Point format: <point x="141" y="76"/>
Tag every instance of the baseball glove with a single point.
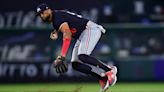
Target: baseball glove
<point x="60" y="65"/>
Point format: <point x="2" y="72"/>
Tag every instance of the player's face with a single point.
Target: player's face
<point x="46" y="15"/>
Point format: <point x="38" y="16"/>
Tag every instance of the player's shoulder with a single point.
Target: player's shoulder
<point x="60" y="11"/>
<point x="65" y="12"/>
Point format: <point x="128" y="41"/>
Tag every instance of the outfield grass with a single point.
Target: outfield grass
<point x="81" y="87"/>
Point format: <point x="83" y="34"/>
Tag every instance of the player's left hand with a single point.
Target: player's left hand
<point x="54" y="35"/>
<point x="60" y="65"/>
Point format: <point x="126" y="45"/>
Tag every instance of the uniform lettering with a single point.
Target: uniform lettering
<point x="73" y="31"/>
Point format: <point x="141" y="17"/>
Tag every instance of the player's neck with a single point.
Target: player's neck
<point x="50" y="19"/>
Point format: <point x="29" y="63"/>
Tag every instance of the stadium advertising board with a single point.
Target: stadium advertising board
<point x="24" y="46"/>
<point x="37" y="72"/>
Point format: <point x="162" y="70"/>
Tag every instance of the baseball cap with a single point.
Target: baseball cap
<point x="41" y="7"/>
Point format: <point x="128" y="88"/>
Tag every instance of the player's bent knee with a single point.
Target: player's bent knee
<point x="83" y="57"/>
<point x="75" y="65"/>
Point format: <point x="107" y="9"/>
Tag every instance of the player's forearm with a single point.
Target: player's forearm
<point x="66" y="43"/>
<point x="67" y="36"/>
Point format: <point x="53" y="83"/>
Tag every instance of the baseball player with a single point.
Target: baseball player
<point x="87" y="34"/>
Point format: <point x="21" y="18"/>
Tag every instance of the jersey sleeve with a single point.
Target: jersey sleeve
<point x="58" y="20"/>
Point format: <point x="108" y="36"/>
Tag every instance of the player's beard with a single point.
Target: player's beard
<point x="47" y="19"/>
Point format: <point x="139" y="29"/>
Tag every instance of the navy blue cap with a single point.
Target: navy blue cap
<point x="42" y="7"/>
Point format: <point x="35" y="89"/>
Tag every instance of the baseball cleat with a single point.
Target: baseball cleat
<point x="110" y="80"/>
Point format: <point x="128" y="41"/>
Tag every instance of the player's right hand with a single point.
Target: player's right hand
<point x="54" y="35"/>
<point x="60" y="65"/>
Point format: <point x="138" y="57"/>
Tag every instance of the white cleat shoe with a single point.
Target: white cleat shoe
<point x="112" y="75"/>
<point x="103" y="82"/>
<point x="112" y="78"/>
